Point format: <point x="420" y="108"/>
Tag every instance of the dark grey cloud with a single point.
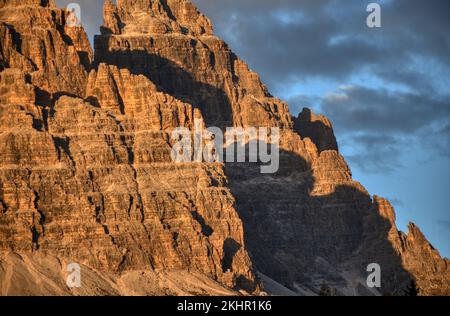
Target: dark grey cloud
<point x="378" y="127"/>
<point x="288" y="40"/>
<point x="357" y="108"/>
<point x="374" y="153"/>
<point x="294" y="39"/>
<point x="413" y="122"/>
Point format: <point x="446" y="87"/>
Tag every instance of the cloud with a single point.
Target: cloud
<point x="374" y="127"/>
<point x="359" y="108"/>
<point x="293" y="40"/>
<point x="373" y="153"/>
<point x="378" y="128"/>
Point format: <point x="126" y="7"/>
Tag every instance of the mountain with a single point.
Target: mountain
<point x="87" y="174"/>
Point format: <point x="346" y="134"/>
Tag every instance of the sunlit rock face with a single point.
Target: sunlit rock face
<point x="86" y="173"/>
<point x="86" y="168"/>
<point x="35" y="38"/>
<point x="173" y="45"/>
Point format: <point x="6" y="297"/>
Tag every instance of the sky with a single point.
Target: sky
<point x="386" y="90"/>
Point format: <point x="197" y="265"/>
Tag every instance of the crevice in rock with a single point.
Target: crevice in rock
<point x="62" y="146"/>
<point x="4" y="206"/>
<point x="130" y="206"/>
<point x="2" y="201"/>
<point x="99" y="209"/>
<point x="168" y="10"/>
<point x="37" y="228"/>
<point x="85" y="60"/>
<point x="121" y="266"/>
<point x="34" y="237"/>
<point x="57" y="95"/>
<point x="206" y="229"/>
<point x="230" y="249"/>
<point x="42" y="215"/>
<point x="43" y="98"/>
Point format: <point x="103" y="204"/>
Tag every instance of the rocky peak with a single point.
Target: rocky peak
<point x="318" y="128"/>
<point x="431" y="271"/>
<point x="37" y="39"/>
<point x="154" y="17"/>
<point x="111" y="20"/>
<point x="417" y="238"/>
<point x="168" y="42"/>
<point x="36" y="3"/>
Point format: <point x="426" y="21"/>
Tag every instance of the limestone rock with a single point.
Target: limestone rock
<point x="111" y="20"/>
<point x="94" y="181"/>
<point x="402" y="257"/>
<point x="431" y="272"/>
<point x="318" y="128"/>
<point x="172" y="44"/>
<point x="38" y="41"/>
<point x="161" y="16"/>
<point x="86" y="173"/>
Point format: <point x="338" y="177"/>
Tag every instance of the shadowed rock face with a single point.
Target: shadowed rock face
<point x="86" y="172"/>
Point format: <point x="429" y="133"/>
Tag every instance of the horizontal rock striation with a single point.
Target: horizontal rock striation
<point x="91" y="180"/>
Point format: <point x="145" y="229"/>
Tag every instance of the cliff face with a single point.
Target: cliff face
<point x="87" y="176"/>
<point x="172" y="44"/>
<point x="95" y="184"/>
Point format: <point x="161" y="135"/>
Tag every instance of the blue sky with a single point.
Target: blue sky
<point x="386" y="90"/>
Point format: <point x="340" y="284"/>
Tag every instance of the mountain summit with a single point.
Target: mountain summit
<point x="154" y="17"/>
<point x="86" y="174"/>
